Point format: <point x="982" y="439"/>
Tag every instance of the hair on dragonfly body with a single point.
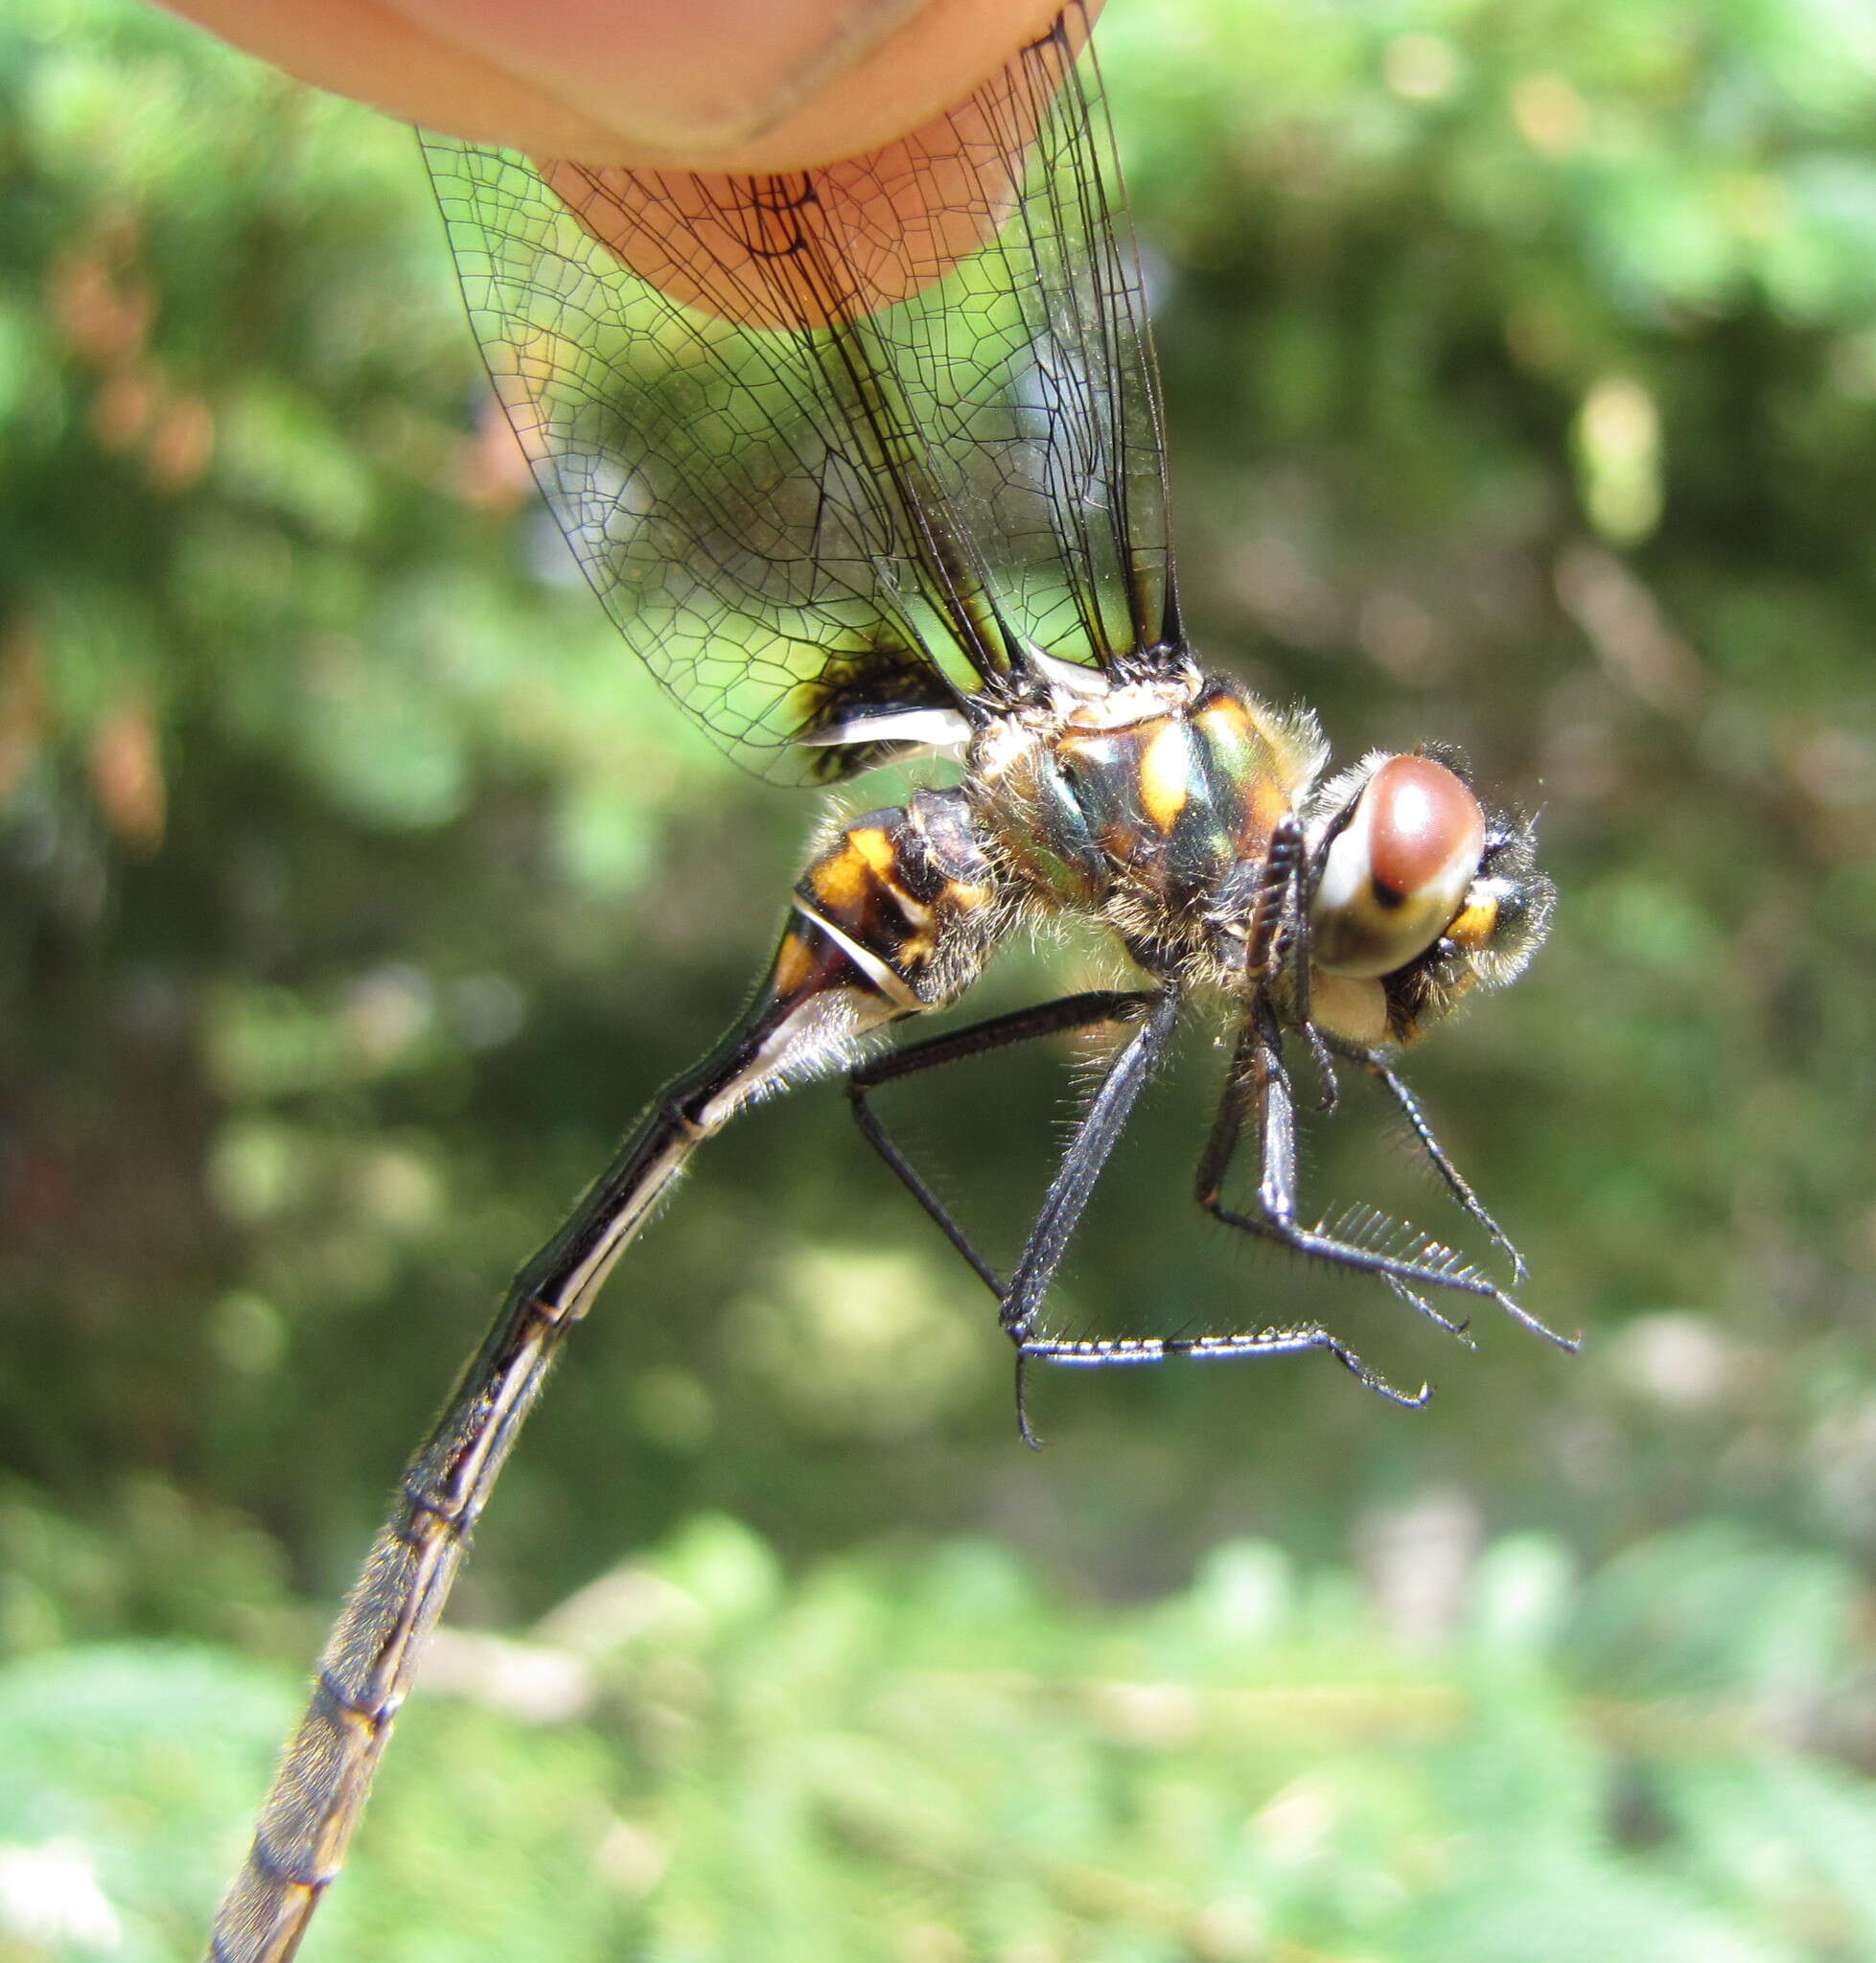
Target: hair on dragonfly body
<point x="867" y="460"/>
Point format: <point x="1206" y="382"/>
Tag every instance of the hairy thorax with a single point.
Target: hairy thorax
<point x="1142" y="804"/>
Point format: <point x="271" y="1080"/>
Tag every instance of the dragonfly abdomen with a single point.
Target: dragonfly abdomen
<point x="907" y="897"/>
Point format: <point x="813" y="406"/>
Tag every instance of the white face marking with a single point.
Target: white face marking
<point x="1356" y="1011"/>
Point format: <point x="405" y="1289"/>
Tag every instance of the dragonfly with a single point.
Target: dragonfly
<point x="858" y="491"/>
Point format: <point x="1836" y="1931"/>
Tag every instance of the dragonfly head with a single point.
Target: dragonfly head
<point x="1418" y="893"/>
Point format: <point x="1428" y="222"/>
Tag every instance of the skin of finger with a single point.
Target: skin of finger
<point x="701" y="75"/>
<point x="889" y="223"/>
<point x="504" y="91"/>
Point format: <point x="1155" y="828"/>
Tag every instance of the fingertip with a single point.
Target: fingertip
<point x="738" y="85"/>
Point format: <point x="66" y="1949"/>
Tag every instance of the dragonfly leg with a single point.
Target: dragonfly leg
<point x="1068" y="1192"/>
<point x="1435" y="1154"/>
<point x="1097" y="1353"/>
<point x="979" y="1039"/>
<point x="1260" y="1081"/>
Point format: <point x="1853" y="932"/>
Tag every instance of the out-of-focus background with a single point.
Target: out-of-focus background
<point x="358" y="888"/>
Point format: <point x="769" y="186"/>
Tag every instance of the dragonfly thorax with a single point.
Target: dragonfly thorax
<point x="1142" y="803"/>
<point x="865" y="460"/>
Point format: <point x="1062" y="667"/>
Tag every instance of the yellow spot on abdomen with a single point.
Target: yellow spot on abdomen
<point x="843" y="880"/>
<point x="794" y="964"/>
<point x="874" y="847"/>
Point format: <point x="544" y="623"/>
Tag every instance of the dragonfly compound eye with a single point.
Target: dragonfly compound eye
<point x="1396" y="873"/>
<point x="864" y="459"/>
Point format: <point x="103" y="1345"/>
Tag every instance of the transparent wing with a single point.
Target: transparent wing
<point x="850" y="439"/>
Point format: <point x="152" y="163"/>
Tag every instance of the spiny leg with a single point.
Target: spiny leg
<point x="1454" y="1181"/>
<point x="1277" y="938"/>
<point x="978" y="1039"/>
<point x="1291" y="1342"/>
<point x="1293" y="955"/>
<point x="1298" y="963"/>
<point x="1258" y="1066"/>
<point x="1266" y="948"/>
<point x="1019" y="1299"/>
<point x="1258" y="1062"/>
<point x="1066" y="1198"/>
<point x="1094" y="1139"/>
<point x="1274" y="905"/>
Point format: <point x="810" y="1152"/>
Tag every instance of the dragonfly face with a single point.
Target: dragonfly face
<point x="865" y="461"/>
<point x="1420" y="895"/>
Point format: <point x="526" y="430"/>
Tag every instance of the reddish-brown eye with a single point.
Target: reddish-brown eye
<point x="1398" y="872"/>
<point x="1426" y="826"/>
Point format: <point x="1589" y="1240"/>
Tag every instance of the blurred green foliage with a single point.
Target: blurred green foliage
<point x="927" y="1758"/>
<point x="355" y="887"/>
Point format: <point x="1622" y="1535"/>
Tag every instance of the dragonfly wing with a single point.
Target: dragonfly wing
<point x="846" y="441"/>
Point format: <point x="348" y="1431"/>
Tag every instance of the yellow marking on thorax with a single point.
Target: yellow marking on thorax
<point x="1166" y="774"/>
<point x="1264" y="809"/>
<point x="842" y="882"/>
<point x="1099" y="750"/>
<point x="1226" y="724"/>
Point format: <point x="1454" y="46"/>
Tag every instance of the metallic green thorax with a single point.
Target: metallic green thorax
<point x="1155" y="800"/>
<point x="1140" y="804"/>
